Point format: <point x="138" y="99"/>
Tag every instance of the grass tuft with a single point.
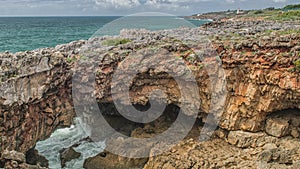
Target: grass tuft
<point x="287" y="16"/>
<point x="115" y="42"/>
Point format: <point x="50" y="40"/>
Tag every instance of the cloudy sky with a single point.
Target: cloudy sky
<point x="125" y="7"/>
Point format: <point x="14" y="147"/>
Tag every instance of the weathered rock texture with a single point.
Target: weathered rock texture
<point x="271" y="153"/>
<point x="261" y="81"/>
<point x="35" y="97"/>
<point x="260" y="73"/>
<point x="35" y="92"/>
<point x="13" y="160"/>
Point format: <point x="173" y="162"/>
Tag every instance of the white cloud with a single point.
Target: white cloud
<point x="146" y="4"/>
<point x="279" y="1"/>
<point x="171" y="4"/>
<point x="118" y="3"/>
<point x="124" y="7"/>
<point x="230" y="1"/>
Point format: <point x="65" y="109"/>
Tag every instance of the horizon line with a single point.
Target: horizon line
<point x="3" y="16"/>
<point x="58" y="15"/>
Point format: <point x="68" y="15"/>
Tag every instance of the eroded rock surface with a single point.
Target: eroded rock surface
<point x="216" y="153"/>
<point x="107" y="160"/>
<point x="14" y="160"/>
<point x="260" y="72"/>
<point x="35" y="100"/>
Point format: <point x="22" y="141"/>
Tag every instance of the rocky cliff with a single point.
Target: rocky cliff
<point x="260" y="70"/>
<point x="35" y="97"/>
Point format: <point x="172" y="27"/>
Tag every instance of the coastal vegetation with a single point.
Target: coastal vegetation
<point x="287" y="13"/>
<point x="286" y="16"/>
<point x="276" y="15"/>
<point x="297" y="64"/>
<point x="292" y="7"/>
<point x="115" y="42"/>
<point x="282" y="32"/>
<point x="71" y="60"/>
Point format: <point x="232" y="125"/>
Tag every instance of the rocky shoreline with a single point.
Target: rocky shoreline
<point x="259" y="123"/>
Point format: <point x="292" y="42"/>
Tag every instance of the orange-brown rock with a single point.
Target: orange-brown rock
<point x="35" y="92"/>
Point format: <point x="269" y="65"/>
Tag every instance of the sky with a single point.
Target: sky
<point x="127" y="7"/>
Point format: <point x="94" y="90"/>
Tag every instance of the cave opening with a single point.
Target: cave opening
<point x="158" y="126"/>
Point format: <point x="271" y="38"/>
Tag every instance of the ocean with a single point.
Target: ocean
<point x="29" y="33"/>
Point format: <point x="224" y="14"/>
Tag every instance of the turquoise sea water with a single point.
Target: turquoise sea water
<point x="28" y="33"/>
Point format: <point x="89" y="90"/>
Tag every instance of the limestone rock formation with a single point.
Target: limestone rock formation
<point x="259" y="70"/>
<point x="35" y="96"/>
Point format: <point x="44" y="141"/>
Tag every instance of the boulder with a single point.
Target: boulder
<point x="269" y="146"/>
<point x="285" y="157"/>
<point x="34" y="158"/>
<point x="277" y="155"/>
<point x="277" y="127"/>
<point x="67" y="155"/>
<point x="14" y="156"/>
<point x="244" y="139"/>
<point x="265" y="156"/>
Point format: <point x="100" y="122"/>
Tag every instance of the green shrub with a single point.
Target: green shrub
<point x="270" y="9"/>
<point x="258" y="12"/>
<point x="286" y="16"/>
<point x="269" y="31"/>
<point x="289" y="7"/>
<point x="297" y="64"/>
<point x="71" y="59"/>
<point x="115" y="42"/>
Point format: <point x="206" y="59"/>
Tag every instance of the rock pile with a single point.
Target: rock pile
<point x="17" y="160"/>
